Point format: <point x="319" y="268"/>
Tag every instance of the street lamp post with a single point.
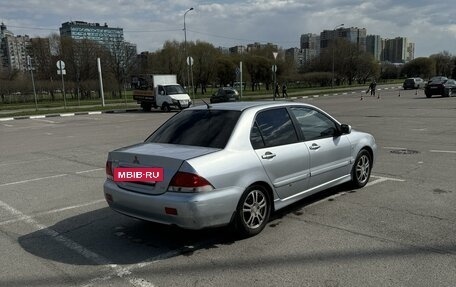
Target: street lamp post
<point x="333" y="44"/>
<point x="185" y="45"/>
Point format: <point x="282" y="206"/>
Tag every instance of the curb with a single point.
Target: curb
<point x="68" y="114"/>
<point x="139" y="109"/>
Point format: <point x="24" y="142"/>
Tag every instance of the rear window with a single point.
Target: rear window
<point x="206" y="128"/>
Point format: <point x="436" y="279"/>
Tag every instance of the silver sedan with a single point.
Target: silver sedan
<point x="235" y="163"/>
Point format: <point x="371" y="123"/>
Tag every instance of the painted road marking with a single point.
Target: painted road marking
<point x="79" y="249"/>
<point x="48" y="177"/>
<point x="443" y="151"/>
<point x="18" y="219"/>
<point x="33" y="179"/>
<point x="379" y="179"/>
<point x="117" y="271"/>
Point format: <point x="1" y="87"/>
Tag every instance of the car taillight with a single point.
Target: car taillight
<point x="189" y="182"/>
<point x="109" y="173"/>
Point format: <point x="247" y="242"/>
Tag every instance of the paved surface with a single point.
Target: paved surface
<point x="56" y="229"/>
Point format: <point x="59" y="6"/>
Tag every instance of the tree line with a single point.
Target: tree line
<point x="342" y="63"/>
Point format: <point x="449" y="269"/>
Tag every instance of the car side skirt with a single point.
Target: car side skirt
<point x="281" y="203"/>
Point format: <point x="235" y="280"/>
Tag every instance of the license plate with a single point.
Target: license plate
<point x="433" y="87"/>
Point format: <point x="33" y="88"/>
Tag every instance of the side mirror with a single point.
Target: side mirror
<point x="345" y="129"/>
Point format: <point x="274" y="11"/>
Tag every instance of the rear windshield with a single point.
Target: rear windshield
<point x="206" y="128"/>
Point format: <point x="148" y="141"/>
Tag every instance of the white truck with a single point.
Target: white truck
<point x="159" y="91"/>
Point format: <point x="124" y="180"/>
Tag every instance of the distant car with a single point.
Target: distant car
<point x="225" y="94"/>
<point x="440" y="86"/>
<point x="413" y="83"/>
<point x="236" y="163"/>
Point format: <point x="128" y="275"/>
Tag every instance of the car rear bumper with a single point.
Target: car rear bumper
<point x="193" y="210"/>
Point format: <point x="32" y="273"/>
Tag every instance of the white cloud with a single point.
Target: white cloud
<point x="431" y="25"/>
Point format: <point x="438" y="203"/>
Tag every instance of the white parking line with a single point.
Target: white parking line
<point x="79" y="249"/>
<point x="34" y="179"/>
<point x="443" y="151"/>
<point x="6" y="222"/>
<point x="24" y="161"/>
<point x="379" y="179"/>
<point x="90" y="170"/>
<point x="49" y="177"/>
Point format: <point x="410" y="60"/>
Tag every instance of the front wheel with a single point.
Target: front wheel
<point x="252" y="213"/>
<point x="361" y="169"/>
<point x="166" y="107"/>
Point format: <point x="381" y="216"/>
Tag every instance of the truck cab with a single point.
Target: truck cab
<point x="161" y="91"/>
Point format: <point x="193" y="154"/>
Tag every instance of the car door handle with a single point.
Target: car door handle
<point x="268" y="155"/>
<point x="314" y="146"/>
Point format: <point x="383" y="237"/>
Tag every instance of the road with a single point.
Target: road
<point x="56" y="229"/>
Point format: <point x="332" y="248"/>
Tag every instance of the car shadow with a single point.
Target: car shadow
<point x="105" y="236"/>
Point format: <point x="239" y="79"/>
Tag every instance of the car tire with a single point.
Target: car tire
<point x="146" y="107"/>
<point x="166" y="107"/>
<point x="361" y="169"/>
<point x="428" y="95"/>
<point x="253" y="211"/>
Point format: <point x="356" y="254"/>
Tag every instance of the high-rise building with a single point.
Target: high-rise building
<point x="13" y="50"/>
<point x="110" y="38"/>
<point x="398" y="50"/>
<point x="102" y="34"/>
<point x="353" y="35"/>
<point x="310" y="47"/>
<point x="310" y="41"/>
<point x="374" y="46"/>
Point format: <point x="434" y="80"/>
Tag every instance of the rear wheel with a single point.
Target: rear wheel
<point x="253" y="210"/>
<point x="361" y="169"/>
<point x="146" y="107"/>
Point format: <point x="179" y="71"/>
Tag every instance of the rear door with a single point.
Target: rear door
<point x="330" y="152"/>
<point x="284" y="158"/>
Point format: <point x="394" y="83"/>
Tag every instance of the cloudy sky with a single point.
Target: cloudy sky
<point x="431" y="25"/>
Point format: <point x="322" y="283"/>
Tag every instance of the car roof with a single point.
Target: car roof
<point x="243" y="105"/>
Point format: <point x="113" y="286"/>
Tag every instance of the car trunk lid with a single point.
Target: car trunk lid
<point x="167" y="156"/>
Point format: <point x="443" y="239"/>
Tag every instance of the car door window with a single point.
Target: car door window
<point x="274" y="127"/>
<point x="314" y="124"/>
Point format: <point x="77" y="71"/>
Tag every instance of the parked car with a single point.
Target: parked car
<point x="225" y="94"/>
<point x="440" y="86"/>
<point x="413" y="83"/>
<point x="235" y="163"/>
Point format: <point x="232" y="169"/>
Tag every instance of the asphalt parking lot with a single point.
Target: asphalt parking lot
<point x="56" y="229"/>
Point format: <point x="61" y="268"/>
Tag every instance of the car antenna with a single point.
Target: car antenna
<point x="207" y="105"/>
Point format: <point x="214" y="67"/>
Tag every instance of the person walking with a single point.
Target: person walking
<point x="276" y="91"/>
<point x="284" y="90"/>
<point x="372" y="88"/>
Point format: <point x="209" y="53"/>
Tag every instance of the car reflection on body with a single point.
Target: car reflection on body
<point x="235" y="163"/>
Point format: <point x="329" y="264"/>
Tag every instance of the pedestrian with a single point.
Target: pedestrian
<point x="372" y="88"/>
<point x="284" y="90"/>
<point x="276" y="91"/>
